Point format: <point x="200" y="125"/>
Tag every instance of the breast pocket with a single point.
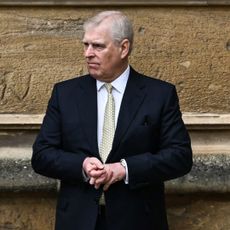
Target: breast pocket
<point x="145" y="132"/>
<point x="142" y="138"/>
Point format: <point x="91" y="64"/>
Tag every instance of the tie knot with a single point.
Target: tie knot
<point x="108" y="87"/>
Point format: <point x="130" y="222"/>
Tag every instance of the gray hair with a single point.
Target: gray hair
<point x="121" y="27"/>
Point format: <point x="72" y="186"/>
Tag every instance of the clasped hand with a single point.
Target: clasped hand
<point x="103" y="174"/>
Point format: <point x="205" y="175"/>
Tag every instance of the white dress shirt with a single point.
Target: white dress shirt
<point x="119" y="85"/>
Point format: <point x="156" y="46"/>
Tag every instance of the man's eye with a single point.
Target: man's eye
<point x="98" y="46"/>
<point x="86" y="44"/>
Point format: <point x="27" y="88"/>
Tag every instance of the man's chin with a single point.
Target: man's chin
<point x="94" y="75"/>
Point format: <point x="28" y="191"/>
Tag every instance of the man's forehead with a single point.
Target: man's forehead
<point x="96" y="36"/>
<point x="90" y="39"/>
<point x="99" y="29"/>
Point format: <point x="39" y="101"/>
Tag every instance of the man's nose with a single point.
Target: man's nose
<point x="89" y="51"/>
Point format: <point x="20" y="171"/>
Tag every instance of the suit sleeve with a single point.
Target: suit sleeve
<point x="49" y="159"/>
<point x="174" y="156"/>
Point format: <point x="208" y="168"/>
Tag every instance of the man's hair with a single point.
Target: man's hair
<point x="120" y="26"/>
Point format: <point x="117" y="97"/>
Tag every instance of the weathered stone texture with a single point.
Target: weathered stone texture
<point x="17" y="175"/>
<point x="199" y="212"/>
<point x="28" y="206"/>
<point x="188" y="46"/>
<point x="210" y="174"/>
<point x="31" y="211"/>
<point x="27" y="211"/>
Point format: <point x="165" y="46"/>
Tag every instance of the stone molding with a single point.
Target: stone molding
<point x="20" y="121"/>
<point x="210" y="135"/>
<point x="210" y="173"/>
<point x="192" y="121"/>
<point x="18" y="175"/>
<point x="207" y="120"/>
<point x="114" y="3"/>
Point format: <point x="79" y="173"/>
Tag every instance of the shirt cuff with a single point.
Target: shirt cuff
<point x="124" y="164"/>
<point x="85" y="177"/>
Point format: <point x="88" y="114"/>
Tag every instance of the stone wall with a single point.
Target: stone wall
<point x="27" y="211"/>
<point x="35" y="211"/>
<point x="188" y="46"/>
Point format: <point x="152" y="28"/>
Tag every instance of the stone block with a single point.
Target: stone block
<point x="188" y="46"/>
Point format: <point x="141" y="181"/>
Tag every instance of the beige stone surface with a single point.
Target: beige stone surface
<point x="188" y="46"/>
<point x="27" y="211"/>
<point x="34" y="211"/>
<point x="199" y="212"/>
<point x="210" y="133"/>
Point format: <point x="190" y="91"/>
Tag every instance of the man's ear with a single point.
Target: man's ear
<point x="125" y="46"/>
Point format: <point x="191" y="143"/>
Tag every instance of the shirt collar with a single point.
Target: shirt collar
<point x="119" y="83"/>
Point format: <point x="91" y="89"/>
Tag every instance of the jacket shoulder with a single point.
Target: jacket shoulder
<point x="157" y="82"/>
<point x="151" y="81"/>
<point x="72" y="82"/>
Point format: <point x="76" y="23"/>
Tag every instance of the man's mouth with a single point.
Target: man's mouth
<point x="92" y="64"/>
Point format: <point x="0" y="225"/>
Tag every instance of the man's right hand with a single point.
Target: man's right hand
<point x="102" y="174"/>
<point x="94" y="169"/>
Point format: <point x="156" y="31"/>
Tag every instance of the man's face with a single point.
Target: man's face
<point x="103" y="56"/>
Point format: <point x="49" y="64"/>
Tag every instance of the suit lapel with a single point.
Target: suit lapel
<point x="87" y="103"/>
<point x="131" y="102"/>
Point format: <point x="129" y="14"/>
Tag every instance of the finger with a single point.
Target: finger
<point x="97" y="173"/>
<point x="91" y="167"/>
<point x="96" y="161"/>
<point x="92" y="163"/>
<point x="92" y="181"/>
<point x="109" y="181"/>
<point x="98" y="164"/>
<point x="88" y="164"/>
<point x="99" y="181"/>
<point x="88" y="170"/>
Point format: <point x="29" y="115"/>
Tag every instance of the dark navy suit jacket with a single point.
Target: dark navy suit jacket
<point x="150" y="136"/>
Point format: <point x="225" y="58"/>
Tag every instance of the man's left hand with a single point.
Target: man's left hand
<point x="113" y="173"/>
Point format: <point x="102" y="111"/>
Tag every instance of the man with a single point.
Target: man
<point x="112" y="137"/>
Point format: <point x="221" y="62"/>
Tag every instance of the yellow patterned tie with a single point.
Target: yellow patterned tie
<point x="109" y="125"/>
<point x="108" y="130"/>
